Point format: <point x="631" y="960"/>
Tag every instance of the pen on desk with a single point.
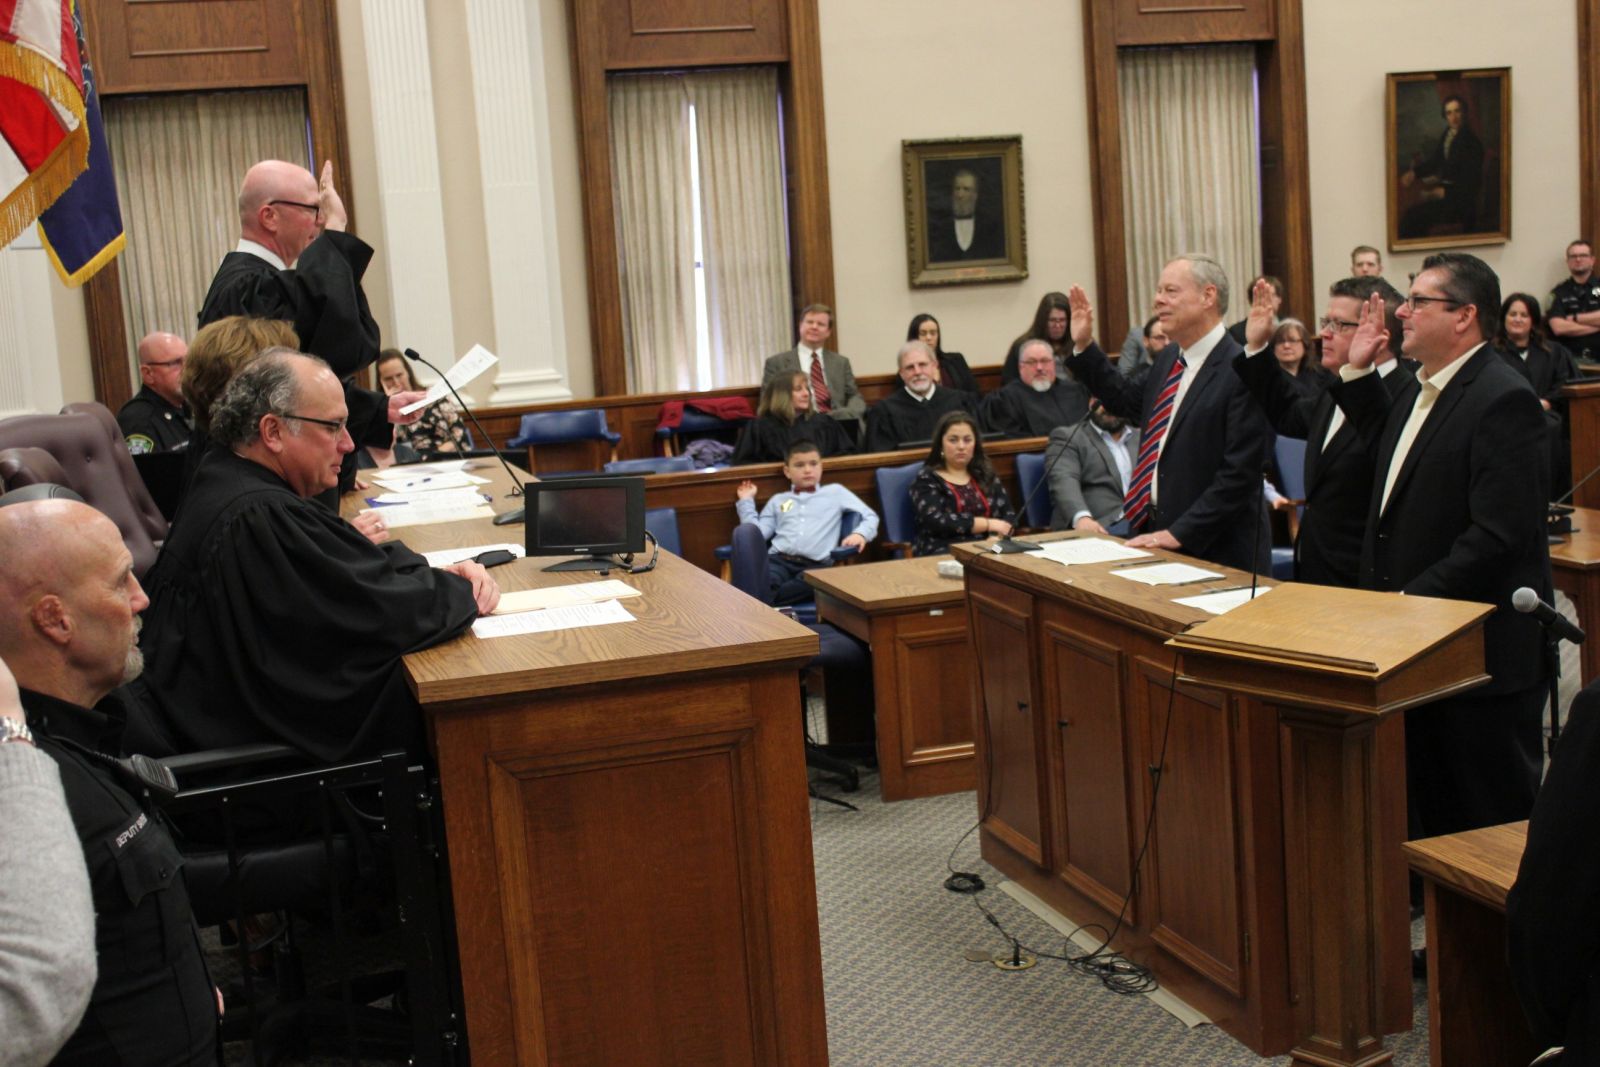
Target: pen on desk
<point x="1195" y="581"/>
<point x="1229" y="589"/>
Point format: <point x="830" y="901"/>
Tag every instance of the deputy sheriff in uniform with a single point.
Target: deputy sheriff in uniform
<point x="1574" y="315"/>
<point x="156" y="419"/>
<point x="69" y="606"/>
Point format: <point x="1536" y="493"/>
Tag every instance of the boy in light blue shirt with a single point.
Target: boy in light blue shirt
<point x="802" y="525"/>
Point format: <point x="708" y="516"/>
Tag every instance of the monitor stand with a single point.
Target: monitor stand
<point x="584" y="563"/>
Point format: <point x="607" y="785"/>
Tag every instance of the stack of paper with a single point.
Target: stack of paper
<point x="1167" y="574"/>
<point x="406" y="482"/>
<point x="424" y="513"/>
<point x="568" y="618"/>
<point x="564" y="596"/>
<point x="1223" y="600"/>
<point x="1089" y="550"/>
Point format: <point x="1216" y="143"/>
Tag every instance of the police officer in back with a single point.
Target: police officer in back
<point x="156" y="419"/>
<point x="1574" y="315"/>
<point x="69" y="606"/>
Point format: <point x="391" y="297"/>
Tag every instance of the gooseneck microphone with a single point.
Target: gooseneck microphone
<point x="1581" y="483"/>
<point x="506" y="517"/>
<point x="1011" y="544"/>
<point x="1527" y="601"/>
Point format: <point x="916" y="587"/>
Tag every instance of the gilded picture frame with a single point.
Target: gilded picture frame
<point x="964" y="211"/>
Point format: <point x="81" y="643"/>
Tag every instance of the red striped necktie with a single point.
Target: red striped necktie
<point x="820" y="400"/>
<point x="1136" y="505"/>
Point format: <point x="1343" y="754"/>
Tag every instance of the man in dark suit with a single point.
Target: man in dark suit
<point x="1451" y="178"/>
<point x="960" y="230"/>
<point x="833" y="385"/>
<point x="1338" y="465"/>
<point x="911" y="413"/>
<point x="1460" y="485"/>
<point x="1197" y="480"/>
<point x="1090" y="464"/>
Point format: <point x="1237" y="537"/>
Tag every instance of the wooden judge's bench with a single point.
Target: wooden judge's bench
<point x="1272" y="893"/>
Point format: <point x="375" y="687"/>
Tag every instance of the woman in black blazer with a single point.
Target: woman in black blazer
<point x="953" y="370"/>
<point x="1291" y="347"/>
<point x="1548" y="365"/>
<point x="784" y="414"/>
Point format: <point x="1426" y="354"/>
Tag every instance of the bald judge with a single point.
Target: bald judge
<point x="273" y="619"/>
<point x="295" y="261"/>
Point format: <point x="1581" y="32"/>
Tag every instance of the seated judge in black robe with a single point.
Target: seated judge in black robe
<point x="1037" y="402"/>
<point x="907" y="416"/>
<point x="295" y="262"/>
<point x="784" y="416"/>
<point x="272" y="619"/>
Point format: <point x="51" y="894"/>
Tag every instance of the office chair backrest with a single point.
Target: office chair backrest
<point x="1030" y="472"/>
<point x="652" y="465"/>
<point x="748" y="566"/>
<point x="155" y="523"/>
<point x="663" y="523"/>
<point x="894" y="494"/>
<point x="1290" y="452"/>
<point x="557" y="427"/>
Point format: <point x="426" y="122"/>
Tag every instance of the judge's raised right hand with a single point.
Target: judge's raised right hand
<point x="484" y="590"/>
<point x="328" y="200"/>
<point x="1081" y="323"/>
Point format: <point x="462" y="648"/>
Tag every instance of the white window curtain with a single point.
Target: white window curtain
<point x="1190" y="164"/>
<point x="655" y="229"/>
<point x="179" y="160"/>
<point x="744" y="233"/>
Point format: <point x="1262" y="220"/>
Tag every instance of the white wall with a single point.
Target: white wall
<point x="1353" y="44"/>
<point x="910" y="69"/>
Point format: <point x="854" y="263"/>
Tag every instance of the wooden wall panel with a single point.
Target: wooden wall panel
<point x="1588" y="116"/>
<point x="664" y="33"/>
<point x="1148" y="22"/>
<point x="1285" y="168"/>
<point x="195" y="44"/>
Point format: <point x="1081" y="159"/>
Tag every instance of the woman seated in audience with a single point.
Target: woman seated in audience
<point x="784" y="414"/>
<point x="1549" y="365"/>
<point x="1291" y="346"/>
<point x="956" y="495"/>
<point x="953" y="370"/>
<point x="438" y="431"/>
<point x="1049" y="324"/>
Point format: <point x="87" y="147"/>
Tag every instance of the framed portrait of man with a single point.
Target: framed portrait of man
<point x="964" y="219"/>
<point x="1449" y="155"/>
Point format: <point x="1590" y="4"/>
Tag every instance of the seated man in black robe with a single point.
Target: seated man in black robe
<point x="910" y="414"/>
<point x="1039" y="400"/>
<point x="272" y="619"/>
<point x="294" y="261"/>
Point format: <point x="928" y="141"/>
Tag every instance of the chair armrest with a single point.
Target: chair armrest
<point x="723" y="552"/>
<point x="215" y="759"/>
<point x="843" y="552"/>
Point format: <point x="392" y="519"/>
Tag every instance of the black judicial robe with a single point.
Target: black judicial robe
<point x="271" y="619"/>
<point x="1016" y="410"/>
<point x="322" y="296"/>
<point x="765" y="439"/>
<point x="898" y="417"/>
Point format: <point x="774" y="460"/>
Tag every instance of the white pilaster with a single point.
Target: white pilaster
<point x="30" y="371"/>
<point x="401" y="86"/>
<point x="518" y="200"/>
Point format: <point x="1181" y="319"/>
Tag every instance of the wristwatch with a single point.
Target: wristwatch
<point x="14" y="730"/>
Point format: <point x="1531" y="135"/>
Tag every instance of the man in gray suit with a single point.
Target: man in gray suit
<point x="1089" y="480"/>
<point x="837" y="395"/>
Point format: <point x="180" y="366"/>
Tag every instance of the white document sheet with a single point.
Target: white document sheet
<point x="1223" y="600"/>
<point x="419" y="470"/>
<point x="419" y="514"/>
<point x="439" y="499"/>
<point x="568" y="618"/>
<point x="445" y="556"/>
<point x="564" y="596"/>
<point x="477" y="360"/>
<point x="429" y="483"/>
<point x="1167" y="574"/>
<point x="1090" y="550"/>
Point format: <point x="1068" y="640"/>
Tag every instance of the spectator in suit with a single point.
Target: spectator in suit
<point x="833" y="384"/>
<point x="1039" y="401"/>
<point x="1461" y="483"/>
<point x="1366" y="262"/>
<point x="1049" y="325"/>
<point x="784" y="416"/>
<point x="910" y="413"/>
<point x="1549" y="366"/>
<point x="1338" y="465"/>
<point x="1090" y="465"/>
<point x="956" y="495"/>
<point x="953" y="370"/>
<point x="1197" y="479"/>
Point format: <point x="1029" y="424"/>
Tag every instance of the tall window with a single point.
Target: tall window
<point x="702" y="240"/>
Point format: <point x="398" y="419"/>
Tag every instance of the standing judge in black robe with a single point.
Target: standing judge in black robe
<point x="272" y="619"/>
<point x="1039" y="400"/>
<point x="911" y="413"/>
<point x="295" y="262"/>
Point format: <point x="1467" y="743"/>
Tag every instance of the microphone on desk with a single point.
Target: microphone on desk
<point x="505" y="518"/>
<point x="1527" y="601"/>
<point x="1559" y="520"/>
<point x="1011" y="544"/>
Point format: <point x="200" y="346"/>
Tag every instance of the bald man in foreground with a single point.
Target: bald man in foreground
<point x="69" y="607"/>
<point x="295" y="261"/>
<point x="157" y="419"/>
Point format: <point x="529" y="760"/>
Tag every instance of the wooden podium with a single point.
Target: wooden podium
<point x="1272" y="893"/>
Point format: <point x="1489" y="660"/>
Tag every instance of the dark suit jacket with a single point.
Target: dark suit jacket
<point x="1209" y="477"/>
<point x="1553" y="940"/>
<point x="1466" y="519"/>
<point x="1338" y="478"/>
<point x="846" y="400"/>
<point x="988" y="238"/>
<point x="1085" y="477"/>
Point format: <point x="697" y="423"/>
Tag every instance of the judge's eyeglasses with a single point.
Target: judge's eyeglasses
<point x="336" y="425"/>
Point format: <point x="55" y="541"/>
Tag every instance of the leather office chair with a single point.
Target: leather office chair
<point x="1290" y="455"/>
<point x="1030" y="472"/>
<point x="565" y="427"/>
<point x="94" y="462"/>
<point x="651" y="465"/>
<point x="663" y="525"/>
<point x="894" y="497"/>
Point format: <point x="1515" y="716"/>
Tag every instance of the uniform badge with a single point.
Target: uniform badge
<point x="140" y="445"/>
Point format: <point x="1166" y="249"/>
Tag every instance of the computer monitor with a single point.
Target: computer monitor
<point x="595" y="518"/>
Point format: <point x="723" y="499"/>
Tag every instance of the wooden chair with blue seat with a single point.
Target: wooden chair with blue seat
<point x="894" y="499"/>
<point x="582" y="426"/>
<point x="1290" y="454"/>
<point x="650" y="465"/>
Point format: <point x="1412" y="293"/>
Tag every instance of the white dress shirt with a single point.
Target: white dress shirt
<point x="260" y="252"/>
